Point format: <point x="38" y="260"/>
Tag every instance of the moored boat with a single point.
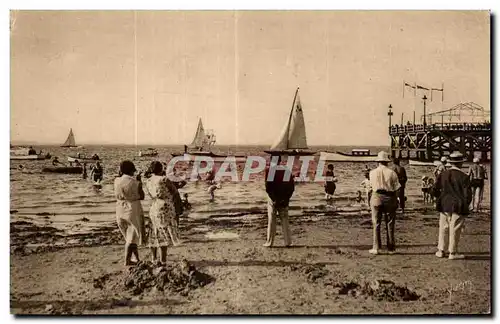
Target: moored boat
<point x="75" y="158"/>
<point x="148" y="152"/>
<point x="422" y="163"/>
<point x="66" y="170"/>
<point x="27" y="153"/>
<point x="32" y="157"/>
<point x="356" y="155"/>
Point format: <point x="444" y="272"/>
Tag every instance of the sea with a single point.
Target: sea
<point x="67" y="198"/>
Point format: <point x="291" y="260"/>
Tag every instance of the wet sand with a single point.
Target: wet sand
<point x="328" y="270"/>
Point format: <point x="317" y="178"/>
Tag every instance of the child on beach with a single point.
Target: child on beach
<point x="212" y="185"/>
<point x="330" y="183"/>
<point x="425" y="189"/>
<point x="430" y="190"/>
<point x="211" y="189"/>
<point x="185" y="202"/>
<point x="367" y="187"/>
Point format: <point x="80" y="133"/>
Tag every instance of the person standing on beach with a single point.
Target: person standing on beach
<point x="454" y="196"/>
<point x="330" y="183"/>
<point x="163" y="212"/>
<point x="384" y="202"/>
<point x="84" y="171"/>
<point x="477" y="175"/>
<point x="365" y="184"/>
<point x="129" y="213"/>
<point x="96" y="173"/>
<point x="401" y="172"/>
<point x="441" y="166"/>
<point x="280" y="186"/>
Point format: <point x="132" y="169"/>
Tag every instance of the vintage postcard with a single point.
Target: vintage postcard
<point x="250" y="162"/>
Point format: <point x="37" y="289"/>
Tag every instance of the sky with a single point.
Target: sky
<point x="145" y="77"/>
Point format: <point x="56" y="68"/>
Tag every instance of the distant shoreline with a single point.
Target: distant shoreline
<point x="266" y="146"/>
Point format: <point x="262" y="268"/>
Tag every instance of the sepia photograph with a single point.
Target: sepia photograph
<point x="250" y="162"/>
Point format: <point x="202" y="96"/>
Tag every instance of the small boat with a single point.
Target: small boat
<point x="66" y="170"/>
<point x="27" y="153"/>
<point x="32" y="157"/>
<point x="293" y="140"/>
<point x="75" y="158"/>
<point x="19" y="151"/>
<point x="149" y="152"/>
<point x="356" y="155"/>
<point x="421" y="163"/>
<point x="70" y="141"/>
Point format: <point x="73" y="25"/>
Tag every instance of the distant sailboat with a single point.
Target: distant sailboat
<point x="293" y="140"/>
<point x="202" y="144"/>
<point x="203" y="140"/>
<point x="70" y="141"/>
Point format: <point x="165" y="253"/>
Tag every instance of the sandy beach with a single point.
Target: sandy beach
<point x="98" y="98"/>
<point x="319" y="274"/>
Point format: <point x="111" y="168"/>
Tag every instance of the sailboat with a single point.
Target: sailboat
<point x="70" y="141"/>
<point x="202" y="144"/>
<point x="293" y="140"/>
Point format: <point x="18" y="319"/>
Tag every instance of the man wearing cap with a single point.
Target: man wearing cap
<point x="477" y="175"/>
<point x="385" y="184"/>
<point x="454" y="196"/>
<point x="280" y="186"/>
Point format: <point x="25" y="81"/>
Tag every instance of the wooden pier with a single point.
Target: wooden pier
<point x="429" y="142"/>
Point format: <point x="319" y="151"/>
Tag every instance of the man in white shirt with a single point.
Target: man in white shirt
<point x="384" y="202"/>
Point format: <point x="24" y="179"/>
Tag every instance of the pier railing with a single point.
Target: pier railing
<point x="418" y="128"/>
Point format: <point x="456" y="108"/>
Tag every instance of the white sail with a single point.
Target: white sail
<point x="70" y="141"/>
<point x="293" y="135"/>
<point x="199" y="137"/>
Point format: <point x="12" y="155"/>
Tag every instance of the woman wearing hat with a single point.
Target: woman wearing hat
<point x="454" y="196"/>
<point x="478" y="175"/>
<point x="129" y="213"/>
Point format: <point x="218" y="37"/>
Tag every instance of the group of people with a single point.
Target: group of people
<point x="161" y="229"/>
<point x="452" y="190"/>
<point x="385" y="190"/>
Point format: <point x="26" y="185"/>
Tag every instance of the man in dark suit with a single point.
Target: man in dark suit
<point x="280" y="186"/>
<point x="454" y="196"/>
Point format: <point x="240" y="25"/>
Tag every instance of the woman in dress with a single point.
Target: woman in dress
<point x="129" y="213"/>
<point x="163" y="212"/>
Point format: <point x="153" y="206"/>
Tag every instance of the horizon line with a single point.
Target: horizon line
<point x="176" y="144"/>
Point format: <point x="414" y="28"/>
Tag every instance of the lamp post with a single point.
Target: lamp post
<point x="425" y="100"/>
<point x="389" y="113"/>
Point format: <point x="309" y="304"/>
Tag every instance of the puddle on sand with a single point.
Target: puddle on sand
<point x="198" y="216"/>
<point x="221" y="235"/>
<point x="202" y="229"/>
